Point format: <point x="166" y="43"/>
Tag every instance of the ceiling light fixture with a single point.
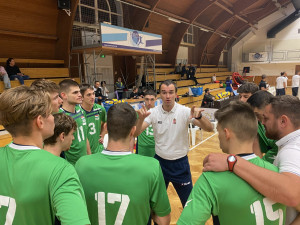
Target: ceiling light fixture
<point x="203" y="29"/>
<point x="174" y="20"/>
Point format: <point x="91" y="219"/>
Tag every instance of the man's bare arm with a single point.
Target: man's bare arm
<point x="162" y="220"/>
<point x="280" y="187"/>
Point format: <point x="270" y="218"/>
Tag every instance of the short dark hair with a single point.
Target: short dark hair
<point x="240" y="118"/>
<point x="264" y="76"/>
<point x="63" y="123"/>
<point x="248" y="87"/>
<point x="120" y="120"/>
<point x="103" y="82"/>
<point x="8" y="61"/>
<point x="45" y="85"/>
<point x="150" y="92"/>
<point x="65" y="85"/>
<point x="260" y="99"/>
<point x="96" y="81"/>
<point x="282" y="73"/>
<point x="286" y="105"/>
<point x="168" y="83"/>
<point x="206" y="90"/>
<point x="84" y="87"/>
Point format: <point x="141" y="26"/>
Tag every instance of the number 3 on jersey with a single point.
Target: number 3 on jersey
<point x="271" y="215"/>
<point x="111" y="199"/>
<point x="11" y="204"/>
<point x="92" y="128"/>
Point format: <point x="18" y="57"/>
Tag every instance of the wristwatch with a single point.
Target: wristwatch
<point x="198" y="118"/>
<point x="231" y="160"/>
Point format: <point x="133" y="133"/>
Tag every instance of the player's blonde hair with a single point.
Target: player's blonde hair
<point x="20" y="106"/>
<point x="45" y="85"/>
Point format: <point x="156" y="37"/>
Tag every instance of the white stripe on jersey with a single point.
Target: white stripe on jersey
<point x="23" y="147"/>
<point x="105" y="152"/>
<point x="248" y="157"/>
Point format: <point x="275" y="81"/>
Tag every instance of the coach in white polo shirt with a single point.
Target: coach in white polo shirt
<point x="281" y="84"/>
<point x="170" y="123"/>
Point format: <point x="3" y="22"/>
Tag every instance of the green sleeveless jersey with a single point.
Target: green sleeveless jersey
<point x="232" y="199"/>
<point x="121" y="188"/>
<point x="78" y="146"/>
<point x="36" y="186"/>
<point x="146" y="142"/>
<point x="94" y="118"/>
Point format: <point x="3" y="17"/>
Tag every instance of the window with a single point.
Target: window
<point x="97" y="11"/>
<point x="89" y="15"/>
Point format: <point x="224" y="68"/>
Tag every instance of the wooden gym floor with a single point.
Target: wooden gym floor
<point x="196" y="157"/>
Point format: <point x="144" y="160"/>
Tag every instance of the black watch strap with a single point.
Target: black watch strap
<point x="198" y="118"/>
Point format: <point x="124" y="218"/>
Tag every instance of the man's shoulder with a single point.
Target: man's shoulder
<point x="98" y="107"/>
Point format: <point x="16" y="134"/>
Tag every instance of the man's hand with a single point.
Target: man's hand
<point x="143" y="113"/>
<point x="195" y="112"/>
<point x="216" y="162"/>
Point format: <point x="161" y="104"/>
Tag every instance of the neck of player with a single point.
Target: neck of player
<point x="87" y="107"/>
<point x="54" y="149"/>
<point x="68" y="107"/>
<point x="125" y="145"/>
<point x="33" y="140"/>
<point x="236" y="147"/>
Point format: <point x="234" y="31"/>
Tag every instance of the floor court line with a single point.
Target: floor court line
<point x="203" y="141"/>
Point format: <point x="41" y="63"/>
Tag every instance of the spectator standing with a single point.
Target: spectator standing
<point x="104" y="89"/>
<point x="295" y="83"/>
<point x="183" y="71"/>
<point x="191" y="74"/>
<point x="263" y="85"/>
<point x="119" y="87"/>
<point x="281" y="84"/>
<point x="229" y="87"/>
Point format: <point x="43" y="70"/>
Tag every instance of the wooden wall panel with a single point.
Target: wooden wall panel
<point x="30" y="16"/>
<point x="21" y="47"/>
<point x="35" y="29"/>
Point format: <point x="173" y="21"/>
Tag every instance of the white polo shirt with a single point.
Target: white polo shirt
<point x="288" y="160"/>
<point x="279" y="82"/>
<point x="170" y="131"/>
<point x="295" y="80"/>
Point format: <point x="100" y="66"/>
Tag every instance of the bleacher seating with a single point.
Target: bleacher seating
<point x="32" y="68"/>
<point x="203" y="75"/>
